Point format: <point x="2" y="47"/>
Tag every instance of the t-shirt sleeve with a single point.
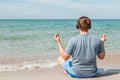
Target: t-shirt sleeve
<point x="69" y="48"/>
<point x="101" y="49"/>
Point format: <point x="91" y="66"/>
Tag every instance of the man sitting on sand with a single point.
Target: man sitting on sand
<point x="82" y="49"/>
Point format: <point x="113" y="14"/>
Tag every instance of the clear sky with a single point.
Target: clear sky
<point x="59" y="9"/>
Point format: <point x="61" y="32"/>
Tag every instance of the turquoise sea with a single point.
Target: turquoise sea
<point x="26" y="44"/>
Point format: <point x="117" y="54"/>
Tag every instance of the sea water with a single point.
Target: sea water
<point x="29" y="44"/>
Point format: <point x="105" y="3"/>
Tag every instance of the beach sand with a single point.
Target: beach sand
<point x="109" y="69"/>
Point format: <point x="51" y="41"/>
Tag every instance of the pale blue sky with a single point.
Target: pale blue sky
<point x="59" y="9"/>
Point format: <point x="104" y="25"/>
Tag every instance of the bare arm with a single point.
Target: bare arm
<point x="103" y="39"/>
<point x="61" y="48"/>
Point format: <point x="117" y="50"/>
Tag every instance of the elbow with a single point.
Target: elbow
<point x="101" y="56"/>
<point x="65" y="57"/>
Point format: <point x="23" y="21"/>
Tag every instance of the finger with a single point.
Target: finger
<point x="104" y="36"/>
<point x="56" y="35"/>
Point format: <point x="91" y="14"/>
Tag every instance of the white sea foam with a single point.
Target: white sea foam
<point x="27" y="66"/>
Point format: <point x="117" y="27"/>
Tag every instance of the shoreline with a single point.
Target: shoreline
<point x="109" y="69"/>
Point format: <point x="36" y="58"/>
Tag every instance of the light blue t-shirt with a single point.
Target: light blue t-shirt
<point x="83" y="48"/>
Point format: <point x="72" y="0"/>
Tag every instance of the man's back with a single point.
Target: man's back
<point x="83" y="48"/>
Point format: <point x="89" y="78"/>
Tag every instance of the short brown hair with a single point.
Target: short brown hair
<point x="84" y="23"/>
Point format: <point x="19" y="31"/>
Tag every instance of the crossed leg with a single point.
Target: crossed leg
<point x="61" y="61"/>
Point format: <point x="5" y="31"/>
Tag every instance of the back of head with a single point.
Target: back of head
<point x="84" y="23"/>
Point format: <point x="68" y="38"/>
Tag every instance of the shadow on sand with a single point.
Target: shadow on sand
<point x="108" y="72"/>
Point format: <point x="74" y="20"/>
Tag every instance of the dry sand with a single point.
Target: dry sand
<point x="109" y="69"/>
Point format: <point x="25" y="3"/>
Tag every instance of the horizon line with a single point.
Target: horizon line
<point x="56" y="19"/>
<point x="51" y="18"/>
